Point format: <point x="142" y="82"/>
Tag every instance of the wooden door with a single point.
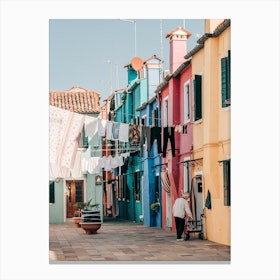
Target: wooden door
<point x="74" y="193"/>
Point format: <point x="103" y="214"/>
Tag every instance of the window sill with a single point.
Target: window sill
<point x="198" y="121"/>
<point x="226" y="108"/>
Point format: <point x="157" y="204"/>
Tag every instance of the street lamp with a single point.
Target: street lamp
<point x="132" y="21"/>
<point x="111" y="74"/>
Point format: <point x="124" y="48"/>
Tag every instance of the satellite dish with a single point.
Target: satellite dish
<point x="136" y="63"/>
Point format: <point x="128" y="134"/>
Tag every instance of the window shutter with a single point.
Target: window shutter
<point x="197" y="97"/>
<point x="51" y="190"/>
<point x="156" y="117"/>
<point x="153" y="118"/>
<point x="226" y="171"/>
<point x="228" y="77"/>
<point x="224" y="80"/>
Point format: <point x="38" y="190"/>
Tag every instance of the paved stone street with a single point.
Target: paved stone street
<point x="122" y="241"/>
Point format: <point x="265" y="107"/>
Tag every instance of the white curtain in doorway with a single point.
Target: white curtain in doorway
<point x="165" y="181"/>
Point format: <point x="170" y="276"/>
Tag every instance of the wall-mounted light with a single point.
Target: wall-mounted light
<point x="98" y="180"/>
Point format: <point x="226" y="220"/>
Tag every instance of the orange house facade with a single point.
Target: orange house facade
<point x="211" y="128"/>
<point x="195" y="101"/>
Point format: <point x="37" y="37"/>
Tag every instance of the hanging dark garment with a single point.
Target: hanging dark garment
<point x="208" y="200"/>
<point x="152" y="134"/>
<point x="168" y="133"/>
<point x="112" y="104"/>
<point x="185" y="128"/>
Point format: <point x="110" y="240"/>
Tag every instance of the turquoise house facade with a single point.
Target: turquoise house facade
<point x="136" y="106"/>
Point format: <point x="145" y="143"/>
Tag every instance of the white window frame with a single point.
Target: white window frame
<point x="187" y="175"/>
<point x="187" y="103"/>
<point x="145" y="119"/>
<point x="165" y="112"/>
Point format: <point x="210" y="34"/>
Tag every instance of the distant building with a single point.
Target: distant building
<point x="68" y="186"/>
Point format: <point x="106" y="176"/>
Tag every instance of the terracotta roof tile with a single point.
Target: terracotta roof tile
<point x="76" y="99"/>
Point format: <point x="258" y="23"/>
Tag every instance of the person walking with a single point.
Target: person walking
<point x="180" y="210"/>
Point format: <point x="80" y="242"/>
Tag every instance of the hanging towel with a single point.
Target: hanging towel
<point x="123" y="133"/>
<point x="115" y="130"/>
<point x="208" y="200"/>
<point x="109" y="135"/>
<point x="101" y="127"/>
<point x="91" y="127"/>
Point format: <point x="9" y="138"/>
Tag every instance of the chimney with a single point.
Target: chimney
<point x="178" y="47"/>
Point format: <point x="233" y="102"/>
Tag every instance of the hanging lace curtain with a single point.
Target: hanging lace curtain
<point x="193" y="198"/>
<point x="165" y="181"/>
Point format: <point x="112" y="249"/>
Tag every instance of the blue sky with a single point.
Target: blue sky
<point x="91" y="53"/>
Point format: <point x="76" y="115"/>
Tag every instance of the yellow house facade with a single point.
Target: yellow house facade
<point x="211" y="129"/>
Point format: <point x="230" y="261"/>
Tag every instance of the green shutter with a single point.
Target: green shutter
<point x="197" y="97"/>
<point x="51" y="191"/>
<point x="228" y="77"/>
<point x="224" y="80"/>
<point x="226" y="171"/>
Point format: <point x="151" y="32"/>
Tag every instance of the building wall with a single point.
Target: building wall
<point x="56" y="210"/>
<point x="186" y="139"/>
<point x="94" y="191"/>
<point x="212" y="135"/>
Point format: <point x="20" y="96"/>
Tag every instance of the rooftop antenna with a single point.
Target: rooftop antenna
<point x="161" y="48"/>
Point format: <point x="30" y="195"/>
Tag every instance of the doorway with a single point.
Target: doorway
<point x="196" y="197"/>
<point x="74" y="193"/>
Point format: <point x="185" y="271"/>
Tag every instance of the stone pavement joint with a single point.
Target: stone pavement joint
<point x="123" y="241"/>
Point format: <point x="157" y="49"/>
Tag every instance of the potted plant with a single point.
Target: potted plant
<point x="79" y="206"/>
<point x="90" y="218"/>
<point x="155" y="206"/>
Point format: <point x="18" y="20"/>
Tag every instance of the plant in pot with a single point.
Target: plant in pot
<point x="79" y="206"/>
<point x="90" y="218"/>
<point x="155" y="205"/>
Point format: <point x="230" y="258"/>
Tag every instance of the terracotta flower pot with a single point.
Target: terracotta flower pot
<point x="90" y="228"/>
<point x="77" y="221"/>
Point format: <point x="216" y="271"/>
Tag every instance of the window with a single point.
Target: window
<point x="144" y="120"/>
<point x="137" y="185"/>
<point x="197" y="87"/>
<point x="136" y="120"/>
<point x="226" y="175"/>
<point x="51" y="191"/>
<point x="157" y="178"/>
<point x="83" y="140"/>
<point x="123" y="189"/>
<point x="79" y="192"/>
<point x="165" y="112"/>
<point x="187" y="176"/>
<point x="155" y="117"/>
<point x="187" y="102"/>
<point x="225" y="80"/>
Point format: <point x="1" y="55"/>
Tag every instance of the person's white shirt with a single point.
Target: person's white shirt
<point x="181" y="208"/>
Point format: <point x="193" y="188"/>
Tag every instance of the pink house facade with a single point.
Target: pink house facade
<point x="174" y="95"/>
